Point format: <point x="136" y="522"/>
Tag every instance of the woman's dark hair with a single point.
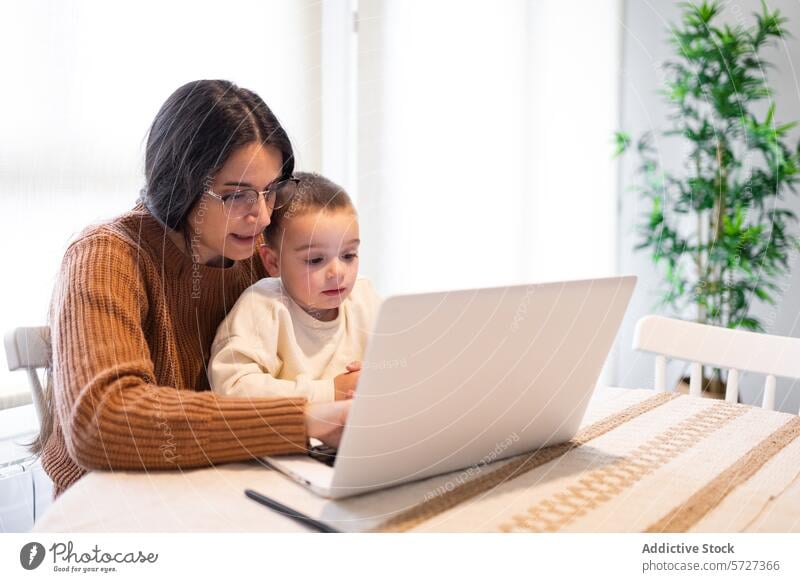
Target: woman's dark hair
<point x="192" y="136"/>
<point x="311" y="192"/>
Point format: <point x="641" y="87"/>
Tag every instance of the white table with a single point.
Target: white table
<point x="212" y="499"/>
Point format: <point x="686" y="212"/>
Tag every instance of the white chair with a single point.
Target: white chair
<point x="28" y="348"/>
<point x="25" y="489"/>
<point x="733" y="349"/>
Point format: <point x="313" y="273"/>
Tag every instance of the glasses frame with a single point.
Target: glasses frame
<point x="274" y="186"/>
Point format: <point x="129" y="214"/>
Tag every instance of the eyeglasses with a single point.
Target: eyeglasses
<point x="243" y="202"/>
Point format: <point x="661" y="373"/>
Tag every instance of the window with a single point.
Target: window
<point x="462" y="128"/>
<point x="78" y="101"/>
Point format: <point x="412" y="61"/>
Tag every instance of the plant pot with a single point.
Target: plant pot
<point x="712" y="387"/>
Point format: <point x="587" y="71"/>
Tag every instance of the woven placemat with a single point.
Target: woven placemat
<point x="446" y="500"/>
<point x="605" y="483"/>
<point x="686" y="515"/>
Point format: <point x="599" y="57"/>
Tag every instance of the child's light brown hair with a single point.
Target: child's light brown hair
<point x="311" y="192"/>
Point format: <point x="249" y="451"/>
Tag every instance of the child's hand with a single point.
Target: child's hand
<point x="354" y="367"/>
<point x="344" y="385"/>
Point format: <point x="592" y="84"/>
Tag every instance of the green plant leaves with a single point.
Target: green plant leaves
<point x="621" y="140"/>
<point x="714" y="228"/>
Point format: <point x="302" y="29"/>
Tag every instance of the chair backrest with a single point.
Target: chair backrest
<point x="733" y="349"/>
<point x="28" y="348"/>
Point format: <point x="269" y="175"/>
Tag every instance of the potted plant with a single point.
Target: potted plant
<point x="715" y="228"/>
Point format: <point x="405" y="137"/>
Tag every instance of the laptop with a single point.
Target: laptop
<point x="461" y="378"/>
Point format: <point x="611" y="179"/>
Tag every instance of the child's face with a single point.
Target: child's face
<point x="316" y="259"/>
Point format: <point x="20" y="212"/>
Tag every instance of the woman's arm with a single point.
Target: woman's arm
<point x="112" y="412"/>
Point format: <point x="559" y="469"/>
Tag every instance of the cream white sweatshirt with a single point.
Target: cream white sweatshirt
<point x="269" y="346"/>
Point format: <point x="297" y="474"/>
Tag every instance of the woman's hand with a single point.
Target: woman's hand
<point x="325" y="421"/>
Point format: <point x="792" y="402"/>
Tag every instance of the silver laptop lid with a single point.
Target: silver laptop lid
<point x="463" y="377"/>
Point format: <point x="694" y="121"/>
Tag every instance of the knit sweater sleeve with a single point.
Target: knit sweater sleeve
<point x="112" y="412"/>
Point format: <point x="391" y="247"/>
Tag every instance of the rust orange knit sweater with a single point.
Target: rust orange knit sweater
<point x="132" y="322"/>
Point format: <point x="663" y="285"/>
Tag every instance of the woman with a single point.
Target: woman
<point x="139" y="300"/>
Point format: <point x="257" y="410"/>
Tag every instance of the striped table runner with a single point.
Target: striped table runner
<point x="667" y="463"/>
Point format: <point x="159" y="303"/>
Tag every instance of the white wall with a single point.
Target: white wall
<point x="645" y="48"/>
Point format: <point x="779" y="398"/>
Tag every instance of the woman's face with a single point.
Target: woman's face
<point x="215" y="234"/>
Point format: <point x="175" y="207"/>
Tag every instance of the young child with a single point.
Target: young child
<point x="302" y="333"/>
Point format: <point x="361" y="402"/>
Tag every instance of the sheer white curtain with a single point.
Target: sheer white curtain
<point x="485" y="141"/>
<point x="475" y="134"/>
<point x="82" y="82"/>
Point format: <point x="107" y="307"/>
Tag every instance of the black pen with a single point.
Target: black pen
<point x="289" y="512"/>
